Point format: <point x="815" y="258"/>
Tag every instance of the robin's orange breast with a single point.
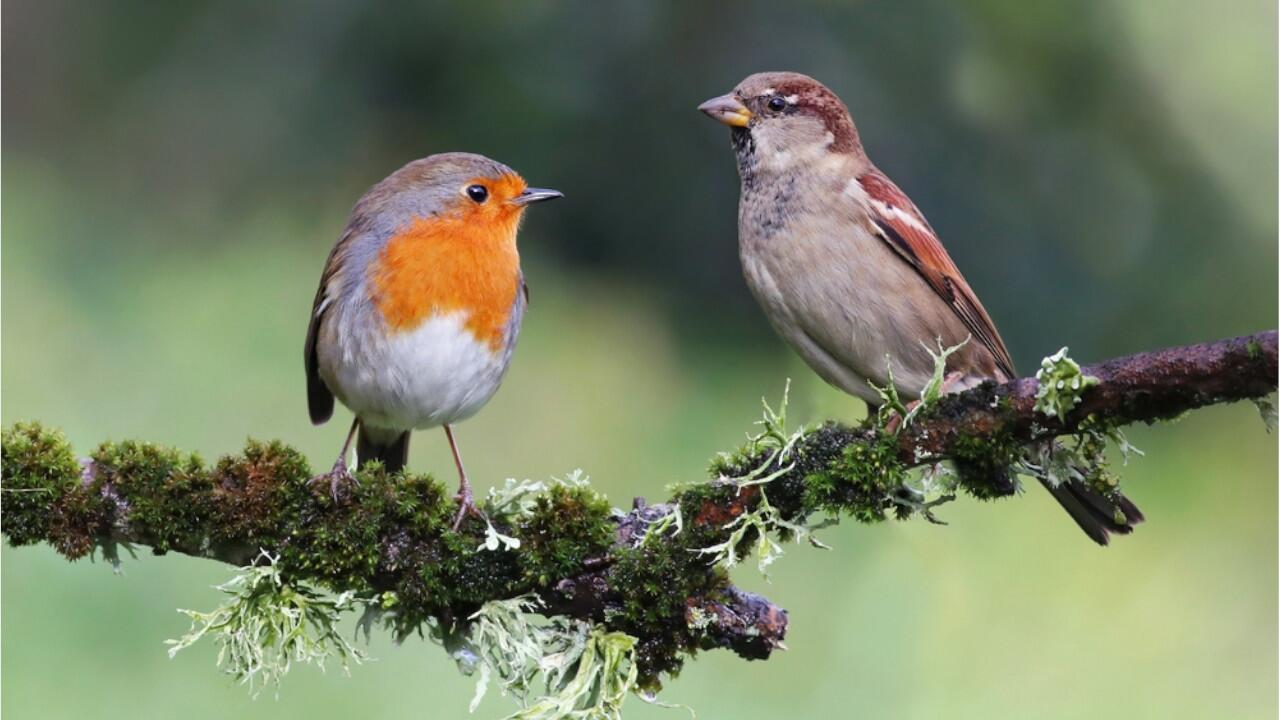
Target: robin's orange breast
<point x="451" y="263"/>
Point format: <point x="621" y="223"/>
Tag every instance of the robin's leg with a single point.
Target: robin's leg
<point x="466" y="501"/>
<point x="340" y="474"/>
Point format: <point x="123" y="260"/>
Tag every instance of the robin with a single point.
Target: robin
<point x="419" y="307"/>
<point x="850" y="273"/>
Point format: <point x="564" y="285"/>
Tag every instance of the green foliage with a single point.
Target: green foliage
<point x="269" y="624"/>
<point x="1061" y="383"/>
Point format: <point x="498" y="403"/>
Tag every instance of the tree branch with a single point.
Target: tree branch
<point x="1144" y="387"/>
<point x="646" y="572"/>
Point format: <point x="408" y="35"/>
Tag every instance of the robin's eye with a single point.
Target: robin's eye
<point x="478" y="193"/>
<point x="777" y="104"/>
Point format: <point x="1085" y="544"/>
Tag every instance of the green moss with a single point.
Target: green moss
<point x="860" y="481"/>
<point x="340" y="545"/>
<point x="77" y="522"/>
<point x="470" y="576"/>
<point x="167" y="494"/>
<point x="565" y="526"/>
<point x="983" y="461"/>
<point x="258" y="493"/>
<point x="1253" y="349"/>
<point x="36" y="466"/>
<point x="659" y="581"/>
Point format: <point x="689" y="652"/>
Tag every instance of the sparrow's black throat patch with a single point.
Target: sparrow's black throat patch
<point x="744" y="146"/>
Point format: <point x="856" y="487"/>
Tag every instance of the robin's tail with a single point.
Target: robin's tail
<point x="389" y="447"/>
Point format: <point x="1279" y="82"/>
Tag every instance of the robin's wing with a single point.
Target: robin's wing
<point x="319" y="397"/>
<point x="901" y="225"/>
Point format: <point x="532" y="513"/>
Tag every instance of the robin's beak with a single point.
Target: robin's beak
<point x="536" y="195"/>
<point x="728" y="110"/>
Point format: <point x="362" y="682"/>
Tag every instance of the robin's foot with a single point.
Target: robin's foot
<point x="466" y="505"/>
<point x="338" y="478"/>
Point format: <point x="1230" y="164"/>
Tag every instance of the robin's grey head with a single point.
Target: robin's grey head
<point x="456" y="183"/>
<point x="780" y="119"/>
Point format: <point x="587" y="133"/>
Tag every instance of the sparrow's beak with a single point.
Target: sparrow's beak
<point x="728" y="110"/>
<point x="536" y="195"/>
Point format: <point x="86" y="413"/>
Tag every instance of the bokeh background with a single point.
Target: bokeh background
<point x="1104" y="172"/>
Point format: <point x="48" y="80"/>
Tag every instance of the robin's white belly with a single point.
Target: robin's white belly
<point x="436" y="374"/>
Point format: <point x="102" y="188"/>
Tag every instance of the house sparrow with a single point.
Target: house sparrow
<point x="850" y="273"/>
<point x="419" y="307"/>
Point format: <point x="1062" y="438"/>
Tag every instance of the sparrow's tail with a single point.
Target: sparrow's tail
<point x="1097" y="513"/>
<point x="389" y="447"/>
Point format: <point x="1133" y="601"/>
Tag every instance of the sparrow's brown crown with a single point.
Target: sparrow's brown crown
<point x="804" y="96"/>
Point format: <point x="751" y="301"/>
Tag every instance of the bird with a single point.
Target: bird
<point x="850" y="273"/>
<point x="419" y="308"/>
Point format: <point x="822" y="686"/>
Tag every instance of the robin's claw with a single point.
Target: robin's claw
<point x="466" y="506"/>
<point x="340" y="478"/>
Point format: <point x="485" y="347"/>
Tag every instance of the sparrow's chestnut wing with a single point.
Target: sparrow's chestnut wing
<point x="901" y="225"/>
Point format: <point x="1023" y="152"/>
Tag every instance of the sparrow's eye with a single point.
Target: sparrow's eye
<point x="478" y="193"/>
<point x="777" y="104"/>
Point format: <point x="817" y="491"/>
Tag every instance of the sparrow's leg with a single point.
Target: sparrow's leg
<point x="340" y="474"/>
<point x="948" y="383"/>
<point x="466" y="501"/>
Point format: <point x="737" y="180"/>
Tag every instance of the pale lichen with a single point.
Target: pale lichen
<point x="761" y="523"/>
<point x="269" y="624"/>
<point x="1061" y="384"/>
<point x="581" y="669"/>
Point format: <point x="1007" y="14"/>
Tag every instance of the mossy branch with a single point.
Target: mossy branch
<point x="646" y="572"/>
<point x="1145" y="387"/>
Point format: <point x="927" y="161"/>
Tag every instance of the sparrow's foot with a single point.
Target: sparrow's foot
<point x="339" y="478"/>
<point x="895" y="421"/>
<point x="466" y="505"/>
<point x="915" y="501"/>
<point x="949" y="384"/>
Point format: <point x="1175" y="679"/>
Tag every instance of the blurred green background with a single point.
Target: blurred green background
<point x="1104" y="173"/>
